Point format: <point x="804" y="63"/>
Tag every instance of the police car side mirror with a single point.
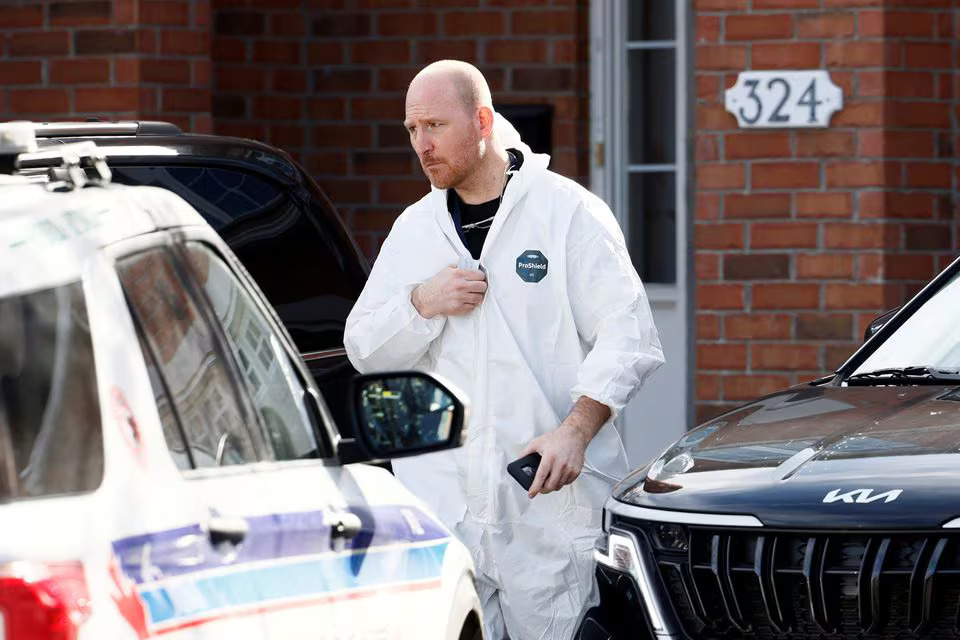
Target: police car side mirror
<point x="406" y="413"/>
<point x="878" y="323"/>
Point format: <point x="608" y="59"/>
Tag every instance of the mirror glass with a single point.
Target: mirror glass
<point x="405" y="412"/>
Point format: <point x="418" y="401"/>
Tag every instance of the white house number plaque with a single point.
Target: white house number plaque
<point x="794" y="99"/>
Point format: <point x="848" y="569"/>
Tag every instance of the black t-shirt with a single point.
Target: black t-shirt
<point x="481" y="214"/>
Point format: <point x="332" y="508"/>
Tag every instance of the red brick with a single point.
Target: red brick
<point x="433" y="50"/>
<point x="909" y="267"/>
<point x="758" y="27"/>
<point x="707" y="386"/>
<point x="884" y="204"/>
<point x="715" y="118"/>
<point x="38" y="43"/>
<point x="785" y="4"/>
<point x="927" y="55"/>
<point x="721" y="57"/>
<point x="185" y="43"/>
<point x="896" y="144"/>
<point x="862" y="54"/>
<point x="379" y="163"/>
<point x="25" y="15"/>
<point x="786" y="296"/>
<point x="708" y="326"/>
<point x="857" y="296"/>
<point x="402" y="191"/>
<point x="407" y="24"/>
<point x="720" y="176"/>
<point x="165" y="71"/>
<point x="755" y="266"/>
<point x="824" y="266"/>
<point x="230" y="77"/>
<point x="779" y="357"/>
<point x="792" y="55"/>
<point x="107" y="99"/>
<point x="287" y="24"/>
<point x="377" y="108"/>
<point x="74" y="13"/>
<point x="164" y="12"/>
<point x="756" y="205"/>
<point x="229" y="49"/>
<point x="325" y="53"/>
<point x="706" y="148"/>
<point x="105" y="41"/>
<point x="201" y="73"/>
<point x="23" y="72"/>
<point x="289" y="80"/>
<point x="376" y="51"/>
<point x="719" y="236"/>
<point x="757" y="326"/>
<point x="901" y="84"/>
<point x="706" y="266"/>
<point x="824" y="205"/>
<point x="708" y="87"/>
<point x="719" y="296"/>
<point x="919" y="114"/>
<point x="748" y="387"/>
<point x="707" y="29"/>
<point x="513" y="51"/>
<point x="39" y="101"/>
<point x="569" y="52"/>
<point x="708" y="206"/>
<point x="861" y="174"/>
<point x="277" y="107"/>
<point x="811" y="326"/>
<point x="721" y="356"/>
<point x="349" y="191"/>
<point x="819" y="144"/>
<point x="757" y="145"/>
<point x="277" y="51"/>
<point x="374" y="220"/>
<point x="330" y="163"/>
<point x="462" y="23"/>
<point x="860" y="236"/>
<point x="929" y="175"/>
<point x="784" y="175"/>
<point x="186" y="99"/>
<point x="860" y="114"/>
<point x="719" y="5"/>
<point x="539" y="22"/>
<point x="893" y="24"/>
<point x="241" y="129"/>
<point x="926" y="237"/>
<point x="788" y="235"/>
<point x="825" y="25"/>
<point x="342" y="135"/>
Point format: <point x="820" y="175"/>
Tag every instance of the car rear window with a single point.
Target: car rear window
<point x="50" y="436"/>
<point x="302" y="260"/>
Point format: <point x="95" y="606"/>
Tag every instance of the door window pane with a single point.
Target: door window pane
<point x="651" y="112"/>
<point x="187" y="356"/>
<point x="650" y="20"/>
<point x="272" y="381"/>
<point x="653" y="220"/>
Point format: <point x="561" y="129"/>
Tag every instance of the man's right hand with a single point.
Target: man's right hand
<point x="451" y="292"/>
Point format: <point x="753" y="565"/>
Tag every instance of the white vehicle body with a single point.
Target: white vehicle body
<point x="143" y="536"/>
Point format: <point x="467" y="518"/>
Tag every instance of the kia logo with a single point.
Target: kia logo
<point x="861" y="496"/>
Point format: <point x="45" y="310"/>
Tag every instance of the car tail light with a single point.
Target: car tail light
<point x="46" y="601"/>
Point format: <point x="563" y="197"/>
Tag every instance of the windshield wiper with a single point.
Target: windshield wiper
<point x="914" y="375"/>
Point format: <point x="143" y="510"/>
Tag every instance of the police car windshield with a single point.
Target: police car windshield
<point x="50" y="437"/>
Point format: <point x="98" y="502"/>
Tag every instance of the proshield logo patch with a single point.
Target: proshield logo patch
<point x="532" y="266"/>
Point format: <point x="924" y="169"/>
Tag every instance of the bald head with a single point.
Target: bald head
<point x="461" y="78"/>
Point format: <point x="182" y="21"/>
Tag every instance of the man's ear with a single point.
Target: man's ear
<point x="485" y="119"/>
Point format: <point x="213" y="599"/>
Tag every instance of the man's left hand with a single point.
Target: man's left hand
<point x="561" y="458"/>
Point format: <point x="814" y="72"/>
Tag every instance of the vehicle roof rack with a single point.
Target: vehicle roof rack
<point x="70" y="166"/>
<point x="125" y="128"/>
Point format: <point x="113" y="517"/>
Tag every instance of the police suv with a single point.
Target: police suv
<point x="167" y="466"/>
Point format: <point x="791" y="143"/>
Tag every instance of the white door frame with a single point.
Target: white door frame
<point x="648" y="424"/>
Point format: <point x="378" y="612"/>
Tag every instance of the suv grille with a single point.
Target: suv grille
<point x="809" y="584"/>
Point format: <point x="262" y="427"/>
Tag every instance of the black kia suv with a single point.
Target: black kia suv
<point x="269" y="211"/>
<point x="828" y="510"/>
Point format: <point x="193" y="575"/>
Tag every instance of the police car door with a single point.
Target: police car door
<point x="194" y="582"/>
<point x="296" y="505"/>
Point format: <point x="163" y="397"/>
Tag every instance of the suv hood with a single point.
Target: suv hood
<point x="814" y="457"/>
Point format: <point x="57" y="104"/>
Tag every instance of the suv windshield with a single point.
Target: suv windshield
<point x="928" y="338"/>
<point x="50" y="437"/>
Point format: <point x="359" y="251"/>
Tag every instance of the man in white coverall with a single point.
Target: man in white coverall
<point x="515" y="284"/>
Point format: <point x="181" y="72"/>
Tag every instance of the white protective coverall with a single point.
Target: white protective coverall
<point x="524" y="356"/>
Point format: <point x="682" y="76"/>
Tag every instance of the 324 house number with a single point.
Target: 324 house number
<point x="784" y="99"/>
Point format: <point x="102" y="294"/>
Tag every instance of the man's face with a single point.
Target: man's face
<point x="442" y="132"/>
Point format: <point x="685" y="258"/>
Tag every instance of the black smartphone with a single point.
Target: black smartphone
<point x="524" y="470"/>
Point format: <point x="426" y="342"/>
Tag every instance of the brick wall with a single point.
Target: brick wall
<point x="108" y="58"/>
<point x="326" y="81"/>
<point x="803" y="236"/>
